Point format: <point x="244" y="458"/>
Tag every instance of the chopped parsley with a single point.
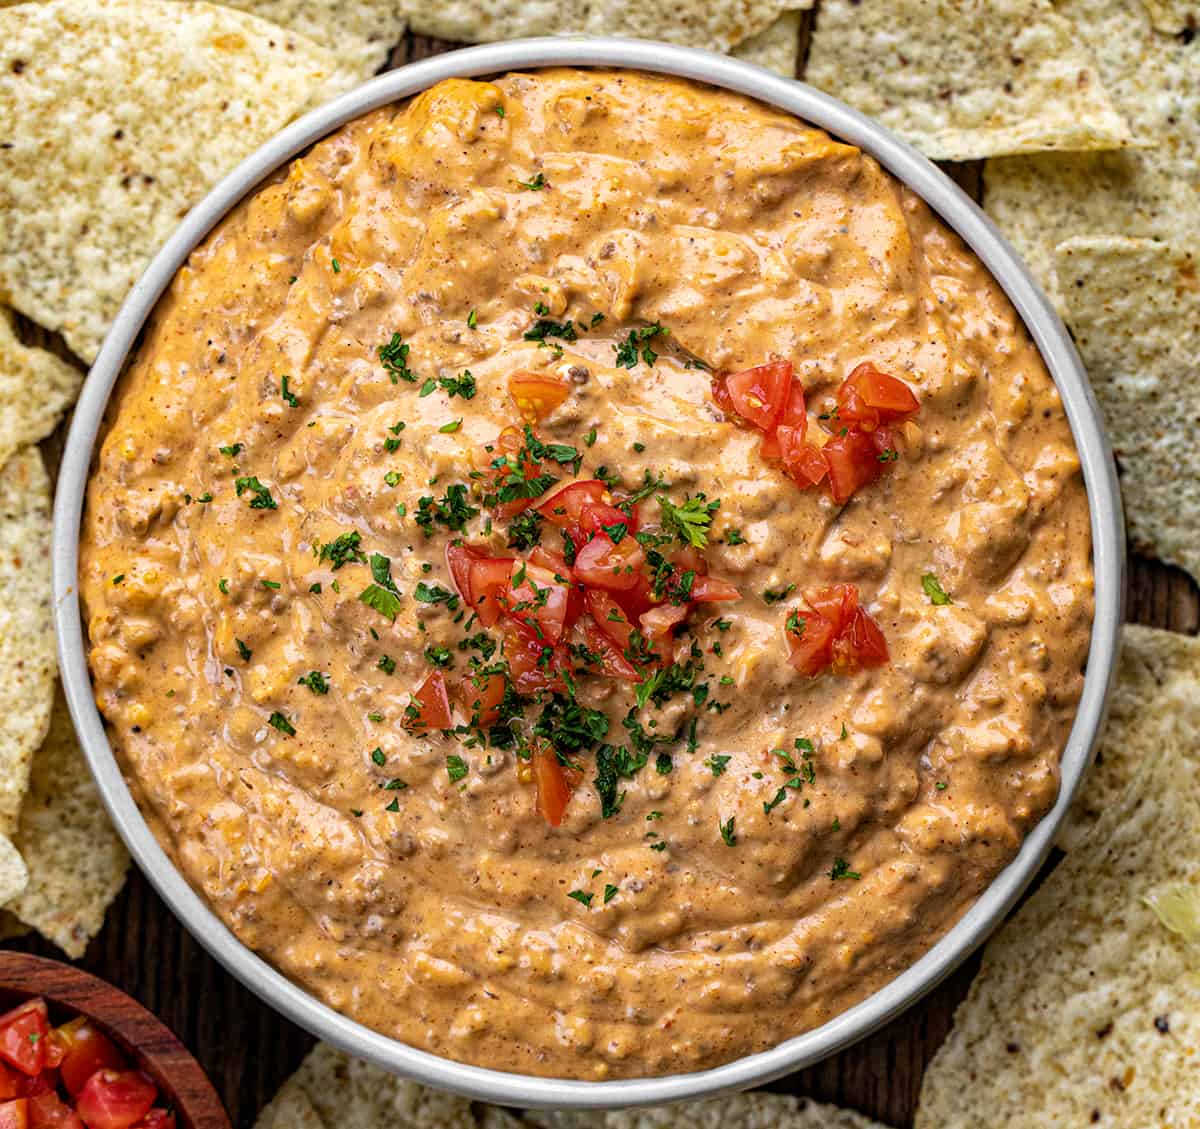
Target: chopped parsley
<point x="387" y="664"/>
<point x="525" y="530"/>
<point x="583" y="897"/>
<point x="315" y="681"/>
<point x="841" y="869"/>
<point x="261" y="499"/>
<point x="453" y="510"/>
<point x="935" y="592"/>
<point x="610" y="892"/>
<point x="590" y="438"/>
<point x="727" y="832"/>
<point x="439" y="656"/>
<point x="233" y="450"/>
<point x="456" y="768"/>
<point x="638" y="340"/>
<point x="689" y="522"/>
<point x="544" y="328"/>
<point x="287" y="395"/>
<point x="394" y="358"/>
<point x="472" y="319"/>
<point x="451" y="427"/>
<point x="435" y="594"/>
<point x="278" y="721"/>
<point x="343" y="550"/>
<point x="120" y="577"/>
<point x="534" y="184"/>
<point x="775" y="595"/>
<point x="222" y="584"/>
<point x="463" y="386"/>
<point x="243" y="651"/>
<point x="734" y="537"/>
<point x="383" y="595"/>
<point x="717" y="763"/>
<point x="612" y="766"/>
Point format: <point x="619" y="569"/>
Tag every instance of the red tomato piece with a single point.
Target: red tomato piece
<point x="490" y="579"/>
<point x="115" y="1099"/>
<point x="596" y="515"/>
<point x="85" y="1049"/>
<point x="49" y="1111"/>
<point x="565" y="507"/>
<point x="760" y="394"/>
<point x="835" y="602"/>
<point x="430" y="708"/>
<point x="533" y="666"/>
<point x="32" y="1085"/>
<point x="157" y="1119"/>
<point x="536" y="395"/>
<point x="482" y="701"/>
<point x="601" y="563"/>
<point x="869" y="398"/>
<point x="710" y="590"/>
<point x="539" y="604"/>
<point x="23" y="1034"/>
<point x="610" y="619"/>
<point x="459" y="559"/>
<point x="836" y="632"/>
<point x="503" y="458"/>
<point x="9" y="1083"/>
<point x="555" y="783"/>
<point x="613" y="662"/>
<point x="658" y="624"/>
<point x="14" y="1114"/>
<point x="853" y="463"/>
<point x="810" y="647"/>
<point x="804" y="462"/>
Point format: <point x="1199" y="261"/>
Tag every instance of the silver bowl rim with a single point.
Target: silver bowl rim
<point x="1051" y="338"/>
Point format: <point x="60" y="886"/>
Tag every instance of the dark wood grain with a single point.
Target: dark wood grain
<point x="248" y="1050"/>
<point x="149" y="1044"/>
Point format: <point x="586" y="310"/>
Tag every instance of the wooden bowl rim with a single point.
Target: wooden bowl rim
<point x="169" y="1062"/>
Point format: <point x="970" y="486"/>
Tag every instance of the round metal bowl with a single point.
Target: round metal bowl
<point x="958" y="211"/>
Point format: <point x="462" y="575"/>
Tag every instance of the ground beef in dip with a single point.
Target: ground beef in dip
<point x="326" y="498"/>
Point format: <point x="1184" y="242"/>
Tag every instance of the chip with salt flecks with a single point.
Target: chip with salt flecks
<point x="1087" y="1008"/>
<point x="718" y="25"/>
<point x="1151" y="190"/>
<point x="965" y="80"/>
<point x="1158" y="676"/>
<point x="737" y="1111"/>
<point x="776" y="47"/>
<point x="76" y="859"/>
<point x="36" y="387"/>
<point x="27" y="662"/>
<point x="290" y="1109"/>
<point x="1133" y="305"/>
<point x="173" y="95"/>
<point x="13" y="873"/>
<point x="1174" y="16"/>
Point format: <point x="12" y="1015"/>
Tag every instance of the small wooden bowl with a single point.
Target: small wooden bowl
<point x="146" y="1040"/>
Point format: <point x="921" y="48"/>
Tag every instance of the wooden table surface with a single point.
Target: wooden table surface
<point x="248" y="1050"/>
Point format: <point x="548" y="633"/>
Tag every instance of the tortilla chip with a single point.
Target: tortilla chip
<point x="13" y="874"/>
<point x="1154" y="80"/>
<point x="564" y="1119"/>
<point x="1173" y="16"/>
<point x="27" y="662"/>
<point x="492" y="1117"/>
<point x="776" y="47"/>
<point x="1133" y="305"/>
<point x="348" y="1093"/>
<point x="1087" y="1007"/>
<point x="718" y="25"/>
<point x="77" y="862"/>
<point x="35" y="389"/>
<point x="116" y="118"/>
<point x="290" y="1109"/>
<point x="1158" y="676"/>
<point x="965" y="80"/>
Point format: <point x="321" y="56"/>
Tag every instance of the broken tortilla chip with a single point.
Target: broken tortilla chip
<point x="347" y="1093"/>
<point x="27" y="663"/>
<point x="776" y="47"/>
<point x="1133" y="304"/>
<point x="736" y="1111"/>
<point x="13" y="874"/>
<point x="1087" y="1007"/>
<point x="290" y="1109"/>
<point x="718" y="25"/>
<point x="1154" y="190"/>
<point x="961" y="81"/>
<point x="1158" y="676"/>
<point x="36" y="387"/>
<point x="1173" y="16"/>
<point x="77" y="862"/>
<point x="117" y="118"/>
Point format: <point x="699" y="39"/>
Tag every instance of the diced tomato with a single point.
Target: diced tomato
<point x="835" y="602"/>
<point x="49" y="1111"/>
<point x="861" y="644"/>
<point x="720" y="394"/>
<point x="84" y="1050"/>
<point x="810" y="646"/>
<point x="30" y="1085"/>
<point x="615" y="567"/>
<point x="658" y="624"/>
<point x="430" y="707"/>
<point x="564" y="507"/>
<point x="556" y="564"/>
<point x="609" y="618"/>
<point x="555" y="783"/>
<point x="836" y="632"/>
<point x="539" y="604"/>
<point x="23" y="1033"/>
<point x="157" y="1119"/>
<point x="482" y="702"/>
<point x="710" y="590"/>
<point x="597" y="515"/>
<point x="536" y="395"/>
<point x="533" y="666"/>
<point x="9" y="1083"/>
<point x="115" y="1099"/>
<point x="508" y="457"/>
<point x="759" y="394"/>
<point x="14" y="1114"/>
<point x="853" y="462"/>
<point x="804" y="462"/>
<point x="490" y="580"/>
<point x="613" y="662"/>
<point x="869" y="398"/>
<point x="458" y="561"/>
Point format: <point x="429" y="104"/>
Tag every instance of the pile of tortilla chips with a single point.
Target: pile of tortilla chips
<point x="117" y="117"/>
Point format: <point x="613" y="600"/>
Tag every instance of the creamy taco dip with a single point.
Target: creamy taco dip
<point x="587" y="574"/>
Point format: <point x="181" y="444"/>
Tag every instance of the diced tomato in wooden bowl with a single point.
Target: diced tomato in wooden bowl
<point x="77" y="1053"/>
